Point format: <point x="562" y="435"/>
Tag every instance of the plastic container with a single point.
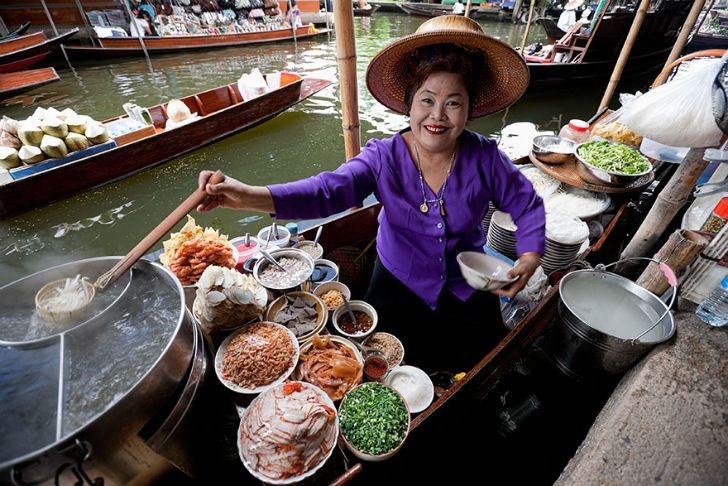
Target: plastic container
<point x="576" y="130"/>
<point x="714" y="309"/>
<point x="280" y="239"/>
<point x="244" y="251"/>
<point x="293" y="229"/>
<point x="717" y="218"/>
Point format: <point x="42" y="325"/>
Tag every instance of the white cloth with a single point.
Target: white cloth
<point x="567" y="19"/>
<point x="142" y="24"/>
<point x="458" y="8"/>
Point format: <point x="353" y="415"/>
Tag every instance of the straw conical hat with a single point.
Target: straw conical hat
<point x="502" y="82"/>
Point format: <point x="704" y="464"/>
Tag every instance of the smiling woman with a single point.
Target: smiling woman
<point x="444" y="74"/>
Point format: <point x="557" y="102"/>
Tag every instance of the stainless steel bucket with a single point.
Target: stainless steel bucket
<point x="607" y="323"/>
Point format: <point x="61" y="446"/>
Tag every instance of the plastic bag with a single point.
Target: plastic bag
<point x="252" y="85"/>
<point x="679" y="112"/>
<point x="611" y="128"/>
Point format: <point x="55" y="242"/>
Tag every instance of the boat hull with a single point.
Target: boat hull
<point x="17" y="82"/>
<point x="21" y="52"/>
<point x="130" y="46"/>
<point x="65" y="180"/>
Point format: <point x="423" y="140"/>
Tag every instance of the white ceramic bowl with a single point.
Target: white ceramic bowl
<point x="369" y="457"/>
<point x="326" y="286"/>
<point x="484" y="272"/>
<point x="356" y="305"/>
<point x="219" y="371"/>
<point x="293" y="479"/>
<point x="426" y="390"/>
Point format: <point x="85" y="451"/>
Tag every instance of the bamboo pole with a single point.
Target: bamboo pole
<point x="140" y="35"/>
<point x="516" y="10"/>
<point x="680" y="250"/>
<point x="687" y="28"/>
<point x="528" y="25"/>
<point x="293" y="25"/>
<point x="467" y="9"/>
<point x="50" y="18"/>
<point x="668" y="203"/>
<point x="624" y="54"/>
<point x="346" y="59"/>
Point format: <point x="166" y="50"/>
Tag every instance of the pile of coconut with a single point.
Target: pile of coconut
<point x="48" y="133"/>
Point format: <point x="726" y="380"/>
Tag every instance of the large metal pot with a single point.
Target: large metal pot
<point x="80" y="399"/>
<point x="605" y="322"/>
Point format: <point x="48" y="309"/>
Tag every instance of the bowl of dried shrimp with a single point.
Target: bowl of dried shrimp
<point x="256" y="357"/>
<point x="332" y="363"/>
<point x="277" y="450"/>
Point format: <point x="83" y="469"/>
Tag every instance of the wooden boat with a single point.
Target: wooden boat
<point x="365" y="12"/>
<point x="20" y="30"/>
<point x="17" y="82"/>
<point x="553" y="32"/>
<point x="222" y="112"/>
<point x="20" y="52"/>
<point x="419" y="10"/>
<point x="130" y="46"/>
<point x="704" y="40"/>
<point x="592" y="56"/>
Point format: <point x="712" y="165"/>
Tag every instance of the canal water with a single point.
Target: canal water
<point x="300" y="142"/>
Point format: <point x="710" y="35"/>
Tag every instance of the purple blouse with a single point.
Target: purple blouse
<point x="420" y="249"/>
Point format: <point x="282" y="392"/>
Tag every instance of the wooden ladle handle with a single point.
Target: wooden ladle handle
<point x="156" y="234"/>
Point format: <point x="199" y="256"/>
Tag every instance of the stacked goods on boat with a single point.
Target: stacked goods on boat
<point x="48" y="134"/>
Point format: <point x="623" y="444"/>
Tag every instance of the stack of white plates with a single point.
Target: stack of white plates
<point x="488" y="216"/>
<point x="565" y="235"/>
<point x="501" y="235"/>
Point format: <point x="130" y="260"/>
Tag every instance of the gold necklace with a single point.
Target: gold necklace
<point x="424" y="207"/>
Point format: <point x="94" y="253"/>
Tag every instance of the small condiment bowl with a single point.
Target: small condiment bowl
<point x="484" y="272"/>
<point x="367" y="344"/>
<point x="307" y="246"/>
<point x="374" y="357"/>
<point x="330" y="268"/>
<point x="553" y="150"/>
<point x="327" y="286"/>
<point x="355" y="305"/>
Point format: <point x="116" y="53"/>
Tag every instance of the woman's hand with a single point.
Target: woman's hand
<point x="233" y="194"/>
<point x="527" y="264"/>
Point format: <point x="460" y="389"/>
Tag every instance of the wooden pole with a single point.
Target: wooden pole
<point x="668" y="203"/>
<point x="624" y="54"/>
<point x="293" y="25"/>
<point x="50" y="18"/>
<point x="528" y="24"/>
<point x="681" y="250"/>
<point x="346" y="58"/>
<point x="682" y="39"/>
<point x="467" y="9"/>
<point x="140" y="35"/>
<point x="516" y="10"/>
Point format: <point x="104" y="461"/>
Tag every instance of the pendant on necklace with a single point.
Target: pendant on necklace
<point x="424" y="207"/>
<point x="442" y="209"/>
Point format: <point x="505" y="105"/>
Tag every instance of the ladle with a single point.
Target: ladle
<point x="141" y="249"/>
<point x="318" y="235"/>
<point x="268" y="257"/>
<point x="348" y="309"/>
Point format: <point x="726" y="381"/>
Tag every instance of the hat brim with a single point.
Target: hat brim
<point x="502" y="83"/>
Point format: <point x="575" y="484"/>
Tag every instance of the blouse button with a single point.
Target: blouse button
<point x="440" y="240"/>
<point x="439" y="225"/>
<point x="442" y="277"/>
<point x="439" y="259"/>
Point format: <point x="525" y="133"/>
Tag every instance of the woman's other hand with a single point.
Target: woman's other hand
<point x="233" y="194"/>
<point x="527" y="264"/>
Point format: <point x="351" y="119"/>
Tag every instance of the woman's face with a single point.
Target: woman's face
<point x="439" y="111"/>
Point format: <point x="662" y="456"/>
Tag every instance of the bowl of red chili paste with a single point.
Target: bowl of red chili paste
<point x="365" y="320"/>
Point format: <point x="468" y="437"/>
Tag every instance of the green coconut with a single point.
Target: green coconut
<point x="30" y="133"/>
<point x="55" y="127"/>
<point x="53" y="147"/>
<point x="76" y="141"/>
<point x="39" y="113"/>
<point x="7" y="139"/>
<point x="97" y="133"/>
<point x="76" y="123"/>
<point x="51" y="112"/>
<point x="7" y="124"/>
<point x="9" y="158"/>
<point x="30" y="154"/>
<point x="65" y="113"/>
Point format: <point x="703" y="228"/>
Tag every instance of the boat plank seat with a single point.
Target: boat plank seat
<point x="215" y="100"/>
<point x="22" y="42"/>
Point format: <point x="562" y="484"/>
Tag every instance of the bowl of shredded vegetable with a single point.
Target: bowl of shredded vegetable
<point x="607" y="162"/>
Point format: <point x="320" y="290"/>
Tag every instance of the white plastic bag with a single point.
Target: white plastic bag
<point x="679" y="112"/>
<point x="252" y="85"/>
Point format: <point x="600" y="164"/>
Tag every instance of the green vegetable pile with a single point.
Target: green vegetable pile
<point x="374" y="419"/>
<point x="613" y="157"/>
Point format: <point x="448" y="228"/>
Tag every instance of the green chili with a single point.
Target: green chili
<point x="613" y="157"/>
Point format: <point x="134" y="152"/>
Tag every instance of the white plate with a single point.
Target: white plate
<point x="404" y="372"/>
<point x="259" y="389"/>
<point x="294" y="479"/>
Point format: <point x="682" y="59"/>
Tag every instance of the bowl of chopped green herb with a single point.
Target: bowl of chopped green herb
<point x="374" y="421"/>
<point x="607" y="162"/>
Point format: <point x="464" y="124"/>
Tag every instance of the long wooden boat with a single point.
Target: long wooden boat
<point x="20" y="52"/>
<point x="593" y="56"/>
<point x="365" y="12"/>
<point x="704" y="40"/>
<point x="130" y="46"/>
<point x="553" y="32"/>
<point x="222" y="112"/>
<point x="17" y="82"/>
<point x="418" y="10"/>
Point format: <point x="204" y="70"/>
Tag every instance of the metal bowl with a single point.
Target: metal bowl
<point x="553" y="150"/>
<point x="262" y="264"/>
<point x="596" y="175"/>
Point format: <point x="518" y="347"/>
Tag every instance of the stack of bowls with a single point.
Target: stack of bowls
<point x="565" y="235"/>
<point x="501" y="234"/>
<point x="488" y="217"/>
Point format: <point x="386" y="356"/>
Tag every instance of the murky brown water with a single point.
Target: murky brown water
<point x="298" y="143"/>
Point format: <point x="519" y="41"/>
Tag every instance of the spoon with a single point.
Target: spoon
<point x="318" y="235"/>
<point x="348" y="309"/>
<point x="268" y="257"/>
<point x="123" y="265"/>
